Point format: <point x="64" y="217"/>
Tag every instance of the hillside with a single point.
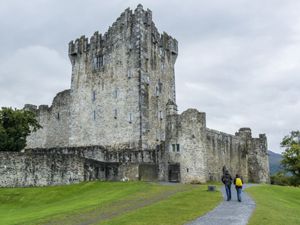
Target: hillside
<point x="274" y="161"/>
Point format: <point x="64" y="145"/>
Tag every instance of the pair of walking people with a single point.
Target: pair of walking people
<point x="238" y="182"/>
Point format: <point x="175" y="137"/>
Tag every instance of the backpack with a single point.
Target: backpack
<point x="238" y="182"/>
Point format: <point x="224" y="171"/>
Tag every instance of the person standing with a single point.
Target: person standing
<point x="227" y="181"/>
<point x="238" y="182"/>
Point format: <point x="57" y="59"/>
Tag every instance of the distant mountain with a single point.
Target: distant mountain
<point x="274" y="161"/>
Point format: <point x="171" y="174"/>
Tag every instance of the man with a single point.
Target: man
<point x="238" y="182"/>
<point x="227" y="181"/>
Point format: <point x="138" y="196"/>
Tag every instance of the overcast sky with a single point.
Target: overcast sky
<point x="239" y="60"/>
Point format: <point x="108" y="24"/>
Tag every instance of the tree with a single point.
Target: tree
<point x="291" y="156"/>
<point x="15" y="126"/>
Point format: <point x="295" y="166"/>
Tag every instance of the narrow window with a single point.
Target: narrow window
<point x="161" y="115"/>
<point x="187" y="170"/>
<point x="115" y="113"/>
<point x="160" y="86"/>
<point x="95" y="63"/>
<point x="156" y="91"/>
<point x="129" y="74"/>
<point x="178" y="147"/>
<point x="130" y="117"/>
<point x="173" y="147"/>
<point x="116" y="93"/>
<point x="57" y="116"/>
<point x="98" y="62"/>
<point x="93" y="96"/>
<point x="94" y="115"/>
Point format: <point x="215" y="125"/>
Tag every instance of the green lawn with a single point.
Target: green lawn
<point x="106" y="203"/>
<point x="275" y="205"/>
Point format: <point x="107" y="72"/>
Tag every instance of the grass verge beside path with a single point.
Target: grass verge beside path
<point x="176" y="210"/>
<point x="275" y="205"/>
<point x="108" y="202"/>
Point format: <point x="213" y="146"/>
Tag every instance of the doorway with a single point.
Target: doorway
<point x="174" y="172"/>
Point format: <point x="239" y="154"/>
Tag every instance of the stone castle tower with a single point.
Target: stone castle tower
<point x="121" y="83"/>
<point x="122" y="101"/>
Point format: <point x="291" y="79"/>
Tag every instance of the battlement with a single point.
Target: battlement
<point x="244" y="132"/>
<point x="30" y="107"/>
<point x="130" y="23"/>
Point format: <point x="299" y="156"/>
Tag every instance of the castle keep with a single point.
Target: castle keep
<point x="119" y="120"/>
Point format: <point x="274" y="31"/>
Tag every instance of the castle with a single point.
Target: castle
<point x="119" y="120"/>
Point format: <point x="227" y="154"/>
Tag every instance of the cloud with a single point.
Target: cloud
<point x="32" y="75"/>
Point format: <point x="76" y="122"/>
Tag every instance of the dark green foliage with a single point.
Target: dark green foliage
<point x="281" y="178"/>
<point x="15" y="126"/>
<point x="291" y="156"/>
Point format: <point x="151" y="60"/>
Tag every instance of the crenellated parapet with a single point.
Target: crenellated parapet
<point x="128" y="27"/>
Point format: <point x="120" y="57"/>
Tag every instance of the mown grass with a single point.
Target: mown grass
<point x="26" y="205"/>
<point x="275" y="205"/>
<point x="105" y="201"/>
<point x="178" y="209"/>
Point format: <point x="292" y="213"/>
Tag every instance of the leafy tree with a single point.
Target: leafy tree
<point x="15" y="126"/>
<point x="291" y="156"/>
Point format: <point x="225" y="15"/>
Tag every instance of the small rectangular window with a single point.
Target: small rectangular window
<point x="93" y="96"/>
<point x="173" y="147"/>
<point x="94" y="115"/>
<point x="98" y="62"/>
<point x="178" y="147"/>
<point x="57" y="116"/>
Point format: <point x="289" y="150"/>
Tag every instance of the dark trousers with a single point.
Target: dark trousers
<point x="239" y="192"/>
<point x="228" y="192"/>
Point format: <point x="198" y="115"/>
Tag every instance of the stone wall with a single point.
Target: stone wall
<point x="225" y="150"/>
<point x="186" y="145"/>
<point x="202" y="153"/>
<point x="33" y="169"/>
<point x="55" y="121"/>
<point x="258" y="161"/>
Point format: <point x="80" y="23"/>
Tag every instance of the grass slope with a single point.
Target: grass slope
<point x="275" y="205"/>
<point x="110" y="202"/>
<point x="178" y="209"/>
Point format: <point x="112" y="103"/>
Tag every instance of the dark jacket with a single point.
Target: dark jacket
<point x="227" y="179"/>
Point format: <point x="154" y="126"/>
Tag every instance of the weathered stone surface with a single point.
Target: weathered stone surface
<point x="121" y="108"/>
<point x="35" y="169"/>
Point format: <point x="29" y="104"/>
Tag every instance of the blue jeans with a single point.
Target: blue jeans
<point x="239" y="192"/>
<point x="228" y="192"/>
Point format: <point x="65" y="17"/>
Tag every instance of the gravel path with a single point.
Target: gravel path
<point x="229" y="212"/>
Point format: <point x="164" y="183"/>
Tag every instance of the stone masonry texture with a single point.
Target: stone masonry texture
<point x="121" y="109"/>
